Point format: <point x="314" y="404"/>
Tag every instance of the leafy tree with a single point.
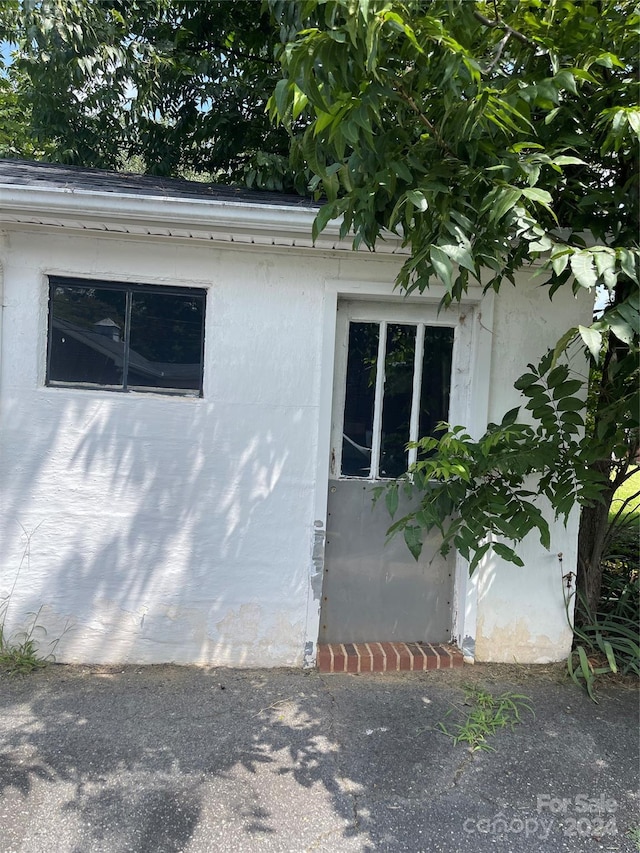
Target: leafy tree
<point x="490" y="135"/>
<point x="170" y="86"/>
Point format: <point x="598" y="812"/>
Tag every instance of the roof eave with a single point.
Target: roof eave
<point x="146" y="214"/>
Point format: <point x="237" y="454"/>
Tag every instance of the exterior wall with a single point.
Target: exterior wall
<point x="146" y="528"/>
<point x="521" y="613"/>
<point x="165" y="528"/>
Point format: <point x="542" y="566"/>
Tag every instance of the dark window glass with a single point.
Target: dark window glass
<point x="86" y="335"/>
<point x="398" y="391"/>
<point x="436" y="378"/>
<point x="359" y="400"/>
<point x="166" y="341"/>
<point x="121" y="336"/>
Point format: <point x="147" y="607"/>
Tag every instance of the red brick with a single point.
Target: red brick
<point x="433" y="660"/>
<point x="323" y="659"/>
<point x="419" y="660"/>
<point x="352" y="657"/>
<point x="406" y="658"/>
<point x="392" y="656"/>
<point x="377" y="657"/>
<point x="366" y="657"/>
<point x="339" y="657"/>
<point x="445" y="657"/>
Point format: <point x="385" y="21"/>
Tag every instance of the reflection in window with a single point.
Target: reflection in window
<point x="415" y="361"/>
<point x="122" y="337"/>
<point x="359" y="399"/>
<point x="436" y="378"/>
<point x="398" y="393"/>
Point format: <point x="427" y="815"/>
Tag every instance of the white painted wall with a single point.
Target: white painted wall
<point x="166" y="528"/>
<point x="176" y="529"/>
<point x="521" y="613"/>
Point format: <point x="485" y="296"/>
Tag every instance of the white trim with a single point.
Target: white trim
<point x="465" y="594"/>
<point x="209" y="219"/>
<point x="378" y="400"/>
<point x="323" y="453"/>
<point x="414" y="421"/>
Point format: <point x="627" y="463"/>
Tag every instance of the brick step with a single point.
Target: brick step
<point x="386" y="657"/>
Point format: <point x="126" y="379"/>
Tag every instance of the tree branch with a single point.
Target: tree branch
<point x="501" y="46"/>
<point x="500" y="25"/>
<point x="406" y="97"/>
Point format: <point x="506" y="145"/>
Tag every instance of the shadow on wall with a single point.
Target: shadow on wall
<point x="157" y="530"/>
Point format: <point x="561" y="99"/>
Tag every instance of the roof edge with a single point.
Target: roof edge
<point x="144" y="214"/>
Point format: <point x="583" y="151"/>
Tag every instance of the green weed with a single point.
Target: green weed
<point x="608" y="642"/>
<point x="20" y="652"/>
<point x="487" y="714"/>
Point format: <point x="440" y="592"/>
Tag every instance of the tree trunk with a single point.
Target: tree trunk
<point x="594" y="525"/>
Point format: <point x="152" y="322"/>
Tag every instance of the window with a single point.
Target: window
<point x="397" y="387"/>
<point x="125" y="337"/>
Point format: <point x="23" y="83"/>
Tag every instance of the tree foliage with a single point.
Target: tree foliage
<point x="173" y="86"/>
<point x="483" y="141"/>
<point x="488" y="136"/>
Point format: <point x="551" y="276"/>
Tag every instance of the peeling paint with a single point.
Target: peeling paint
<point x="516" y="642"/>
<point x="309" y="660"/>
<point x="317" y="560"/>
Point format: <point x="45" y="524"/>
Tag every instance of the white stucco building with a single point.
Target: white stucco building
<point x="193" y="409"/>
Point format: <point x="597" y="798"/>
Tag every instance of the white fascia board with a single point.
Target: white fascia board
<point x="61" y="205"/>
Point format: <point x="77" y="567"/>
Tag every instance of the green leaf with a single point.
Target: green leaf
<point x="564" y="79"/>
<point x="401" y="170"/>
<point x="459" y="255"/>
<point x="584" y="270"/>
<point x="505" y="201"/>
<point x="525" y="381"/>
<point x="536" y="194"/>
<point x="570" y="404"/>
<point x="282" y="98"/>
<point x="557" y="375"/>
<point x="507" y="553"/>
<point x="563" y="343"/>
<point x="621" y="329"/>
<point x="628" y="262"/>
<point x="510" y="417"/>
<point x="324" y="215"/>
<point x="593" y="339"/>
<point x="567" y="389"/>
<point x="565" y="160"/>
<point x="413" y="539"/>
<point x="417" y="199"/>
<point x="391" y="499"/>
<point x="442" y="266"/>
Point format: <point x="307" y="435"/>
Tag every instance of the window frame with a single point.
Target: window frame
<point x="384" y="314"/>
<point x="129" y="289"/>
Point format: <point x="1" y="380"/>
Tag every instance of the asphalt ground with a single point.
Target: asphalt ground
<point x="167" y="759"/>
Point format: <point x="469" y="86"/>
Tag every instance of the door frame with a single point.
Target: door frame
<point x="476" y="313"/>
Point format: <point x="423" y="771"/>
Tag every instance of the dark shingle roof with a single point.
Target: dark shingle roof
<point x="28" y="173"/>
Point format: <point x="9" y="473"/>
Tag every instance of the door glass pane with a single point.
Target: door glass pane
<point x="87" y="335"/>
<point x="398" y="389"/>
<point x="436" y="378"/>
<point x="166" y="341"/>
<point x="360" y="394"/>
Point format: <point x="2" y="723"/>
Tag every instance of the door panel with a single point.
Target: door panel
<point x="374" y="591"/>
